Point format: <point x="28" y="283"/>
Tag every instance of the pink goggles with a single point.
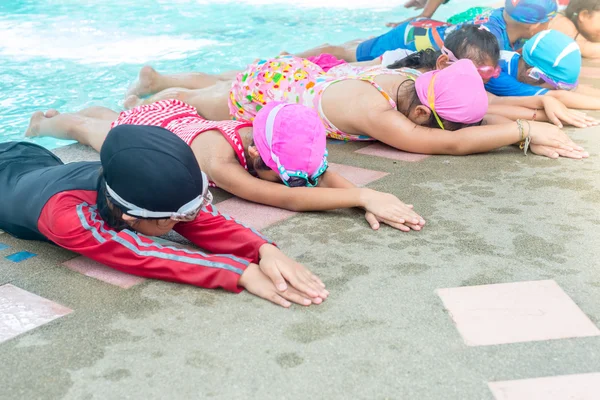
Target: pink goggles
<point x="486" y="72"/>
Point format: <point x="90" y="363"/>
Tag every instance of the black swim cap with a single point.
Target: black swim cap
<point x="150" y="167"/>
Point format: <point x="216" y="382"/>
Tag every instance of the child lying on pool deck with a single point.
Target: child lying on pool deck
<point x="550" y="66"/>
<point x="545" y="77"/>
<point x="512" y="25"/>
<point x="469" y="42"/>
<point x="287" y="145"/>
<point x="147" y="182"/>
<point x="433" y="113"/>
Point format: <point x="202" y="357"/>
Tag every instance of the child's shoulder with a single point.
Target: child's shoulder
<point x="564" y="25"/>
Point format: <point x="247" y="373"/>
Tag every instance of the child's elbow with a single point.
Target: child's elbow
<point x="457" y="148"/>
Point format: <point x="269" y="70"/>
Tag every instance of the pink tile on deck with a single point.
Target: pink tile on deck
<point x="576" y="387"/>
<point x="256" y="216"/>
<point x="93" y="269"/>
<point x="590" y="72"/>
<point x="21" y="311"/>
<point x="515" y="312"/>
<point x="358" y="176"/>
<point x="382" y="150"/>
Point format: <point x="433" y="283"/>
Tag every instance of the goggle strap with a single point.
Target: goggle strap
<point x="136" y="211"/>
<point x="431" y="99"/>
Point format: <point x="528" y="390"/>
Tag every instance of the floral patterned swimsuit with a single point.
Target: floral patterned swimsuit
<point x="296" y="80"/>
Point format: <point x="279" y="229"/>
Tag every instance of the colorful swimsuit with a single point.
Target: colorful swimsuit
<point x="296" y="80"/>
<point x="184" y="121"/>
<point x="366" y="75"/>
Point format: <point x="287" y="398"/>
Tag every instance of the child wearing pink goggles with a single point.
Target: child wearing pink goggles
<point x="285" y="144"/>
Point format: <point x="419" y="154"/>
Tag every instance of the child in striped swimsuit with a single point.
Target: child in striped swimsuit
<point x="286" y="144"/>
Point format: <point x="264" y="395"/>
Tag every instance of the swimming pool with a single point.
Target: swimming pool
<point x="71" y="54"/>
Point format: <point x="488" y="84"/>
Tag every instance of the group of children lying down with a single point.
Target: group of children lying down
<point x="260" y="134"/>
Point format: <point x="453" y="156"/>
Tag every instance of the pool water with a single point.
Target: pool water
<point x="72" y="54"/>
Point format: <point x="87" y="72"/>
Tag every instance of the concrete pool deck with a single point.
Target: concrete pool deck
<point x="497" y="298"/>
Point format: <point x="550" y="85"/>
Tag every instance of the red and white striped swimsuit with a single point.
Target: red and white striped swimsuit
<point x="184" y="121"/>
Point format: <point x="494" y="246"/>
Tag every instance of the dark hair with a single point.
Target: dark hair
<point x="421" y="59"/>
<point x="575" y="7"/>
<point x="110" y="213"/>
<point x="259" y="164"/>
<point x="470" y="41"/>
<point x="410" y="90"/>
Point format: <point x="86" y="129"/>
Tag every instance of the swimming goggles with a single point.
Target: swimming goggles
<point x="486" y="72"/>
<point x="186" y="213"/>
<point x="431" y="100"/>
<point x="537" y="74"/>
<point x="284" y="174"/>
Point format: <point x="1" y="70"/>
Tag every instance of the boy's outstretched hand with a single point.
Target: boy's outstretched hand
<point x="282" y="280"/>
<point x="259" y="284"/>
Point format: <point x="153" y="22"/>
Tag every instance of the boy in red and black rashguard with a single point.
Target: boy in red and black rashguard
<point x="147" y="182"/>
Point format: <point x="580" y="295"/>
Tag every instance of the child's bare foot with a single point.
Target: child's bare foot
<point x="34" y="124"/>
<point x="132" y="101"/>
<point x="144" y="85"/>
<point x="51" y="113"/>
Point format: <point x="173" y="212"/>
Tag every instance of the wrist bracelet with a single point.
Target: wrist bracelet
<point x="524" y="145"/>
<point x="521" y="130"/>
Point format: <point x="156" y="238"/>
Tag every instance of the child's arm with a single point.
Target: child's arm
<point x="430" y="8"/>
<point x="587" y="90"/>
<point x="230" y="176"/>
<point x="554" y="110"/>
<point x="546" y="151"/>
<point x="514" y="113"/>
<point x="396" y="130"/>
<point x="576" y="100"/>
<point x="217" y="234"/>
<point x="332" y="179"/>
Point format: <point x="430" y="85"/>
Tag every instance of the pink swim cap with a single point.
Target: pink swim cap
<point x="457" y="93"/>
<point x="291" y="140"/>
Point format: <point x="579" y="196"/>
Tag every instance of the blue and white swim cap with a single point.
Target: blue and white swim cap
<point x="531" y="11"/>
<point x="555" y="54"/>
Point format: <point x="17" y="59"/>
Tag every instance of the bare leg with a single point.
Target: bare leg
<point x="212" y="103"/>
<point x="89" y="126"/>
<point x="346" y="51"/>
<point x="171" y="93"/>
<point x="150" y="81"/>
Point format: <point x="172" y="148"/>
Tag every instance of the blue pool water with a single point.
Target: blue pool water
<point x="71" y="54"/>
